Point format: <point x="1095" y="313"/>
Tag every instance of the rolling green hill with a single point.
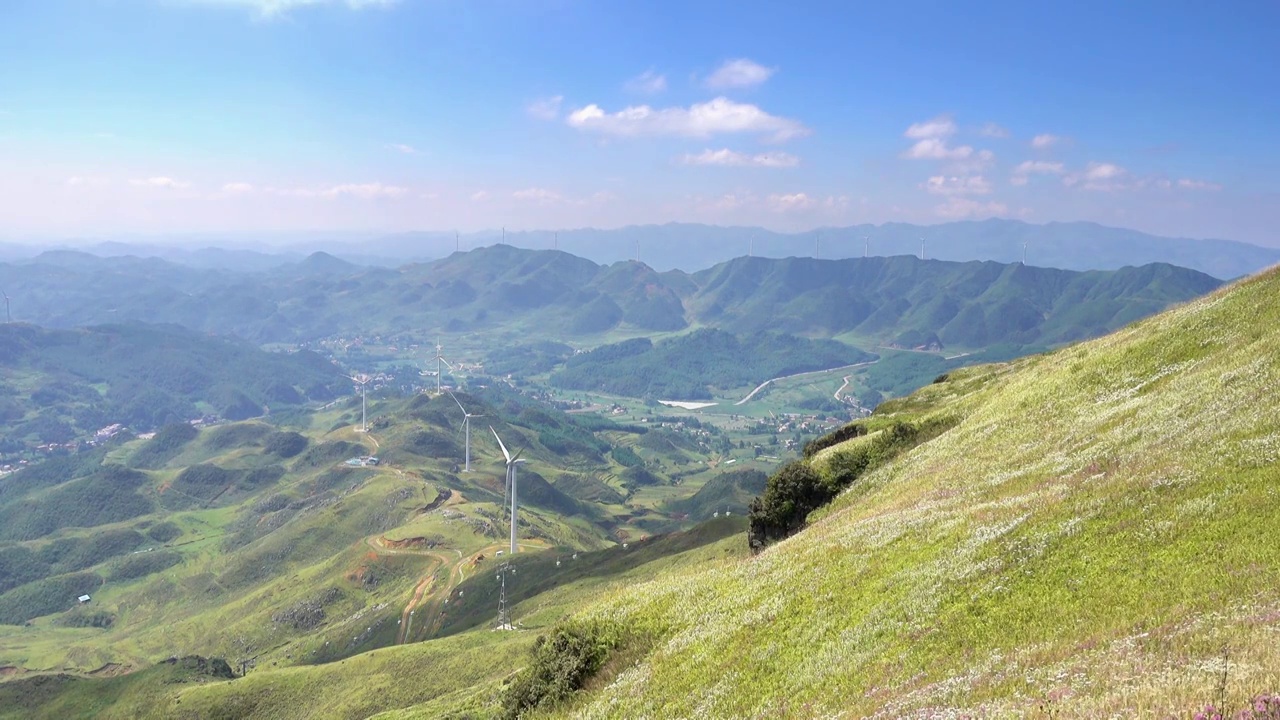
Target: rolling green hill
<point x="1088" y="535"/>
<point x="58" y="386"/>
<point x="882" y="299"/>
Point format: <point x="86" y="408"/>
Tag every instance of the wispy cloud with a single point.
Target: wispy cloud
<point x="939" y="127"/>
<point x="1045" y="141"/>
<point x="237" y="188"/>
<point x="547" y="108"/>
<point x="993" y="130"/>
<point x="739" y="73"/>
<point x="402" y="148"/>
<point x="961" y="207"/>
<point x="363" y="191"/>
<point x="1104" y="177"/>
<point x="791" y="202"/>
<point x="647" y="83"/>
<point x="479" y="196"/>
<point x="1024" y="171"/>
<point x="276" y="8"/>
<point x="936" y="149"/>
<point x="541" y="196"/>
<point x="931" y="141"/>
<point x="955" y="185"/>
<point x="733" y="158"/>
<point x="1189" y="184"/>
<point x="701" y="120"/>
<point x="160" y="182"/>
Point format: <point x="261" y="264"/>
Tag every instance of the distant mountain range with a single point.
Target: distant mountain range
<point x="691" y="247"/>
<point x="898" y="300"/>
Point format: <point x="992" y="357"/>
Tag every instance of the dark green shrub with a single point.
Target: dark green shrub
<point x="45" y="597"/>
<point x="848" y="432"/>
<point x="560" y="665"/>
<point x="285" y="444"/>
<point x="164" y="532"/>
<point x="136" y="566"/>
<point x="82" y="617"/>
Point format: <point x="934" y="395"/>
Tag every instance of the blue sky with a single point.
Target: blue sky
<point x="168" y="116"/>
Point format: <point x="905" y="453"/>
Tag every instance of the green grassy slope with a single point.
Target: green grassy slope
<point x="1093" y="537"/>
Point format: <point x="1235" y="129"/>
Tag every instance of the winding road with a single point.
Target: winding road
<point x="766" y="383"/>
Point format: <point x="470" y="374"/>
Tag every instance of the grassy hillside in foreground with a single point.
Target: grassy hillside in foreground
<point x="1095" y="536"/>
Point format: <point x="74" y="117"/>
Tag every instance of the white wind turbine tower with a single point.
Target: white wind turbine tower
<point x="466" y="429"/>
<point x="7" y="317"/>
<point x="511" y="482"/>
<point x="921" y="248"/>
<point x="866" y="246"/>
<point x="440" y="363"/>
<point x="362" y="380"/>
<point x="1024" y="252"/>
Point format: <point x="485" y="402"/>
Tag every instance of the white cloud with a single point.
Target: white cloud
<point x="1042" y="142"/>
<point x="647" y="83"/>
<point x="700" y="120"/>
<point x="363" y="191"/>
<point x="739" y="73"/>
<point x="542" y="196"/>
<point x="972" y="185"/>
<point x="545" y="108"/>
<point x="80" y="181"/>
<point x="791" y="202"/>
<point x="736" y="159"/>
<point x="1188" y="184"/>
<point x="936" y="149"/>
<point x="276" y="8"/>
<point x="406" y="149"/>
<point x="1104" y="177"/>
<point x="479" y="196"/>
<point x="993" y="130"/>
<point x="237" y="188"/>
<point x="939" y="127"/>
<point x="1022" y="173"/>
<point x="366" y="191"/>
<point x="160" y="182"/>
<point x="960" y="207"/>
<point x="975" y="162"/>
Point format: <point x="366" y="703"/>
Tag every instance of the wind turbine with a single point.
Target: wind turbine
<point x="816" y="242"/>
<point x="555" y="241"/>
<point x="921" y="248"/>
<point x="1024" y="252"/>
<point x="439" y="367"/>
<point x="751" y="245"/>
<point x="466" y="428"/>
<point x="457" y="242"/>
<point x="866" y="246"/>
<point x="362" y="380"/>
<point x="7" y="317"/>
<point x="511" y="481"/>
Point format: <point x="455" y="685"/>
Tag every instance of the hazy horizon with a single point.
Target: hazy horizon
<point x="266" y="116"/>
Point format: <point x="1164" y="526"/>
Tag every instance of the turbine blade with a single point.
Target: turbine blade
<point x="455" y="399"/>
<point x="446" y="362"/>
<point x="505" y="454"/>
<point x="518" y="454"/>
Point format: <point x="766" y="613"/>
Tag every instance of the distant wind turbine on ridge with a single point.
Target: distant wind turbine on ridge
<point x="7" y="317"/>
<point x="921" y="248"/>
<point x="440" y="362"/>
<point x="362" y="380"/>
<point x="511" y="482"/>
<point x="466" y="429"/>
<point x="866" y="246"/>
